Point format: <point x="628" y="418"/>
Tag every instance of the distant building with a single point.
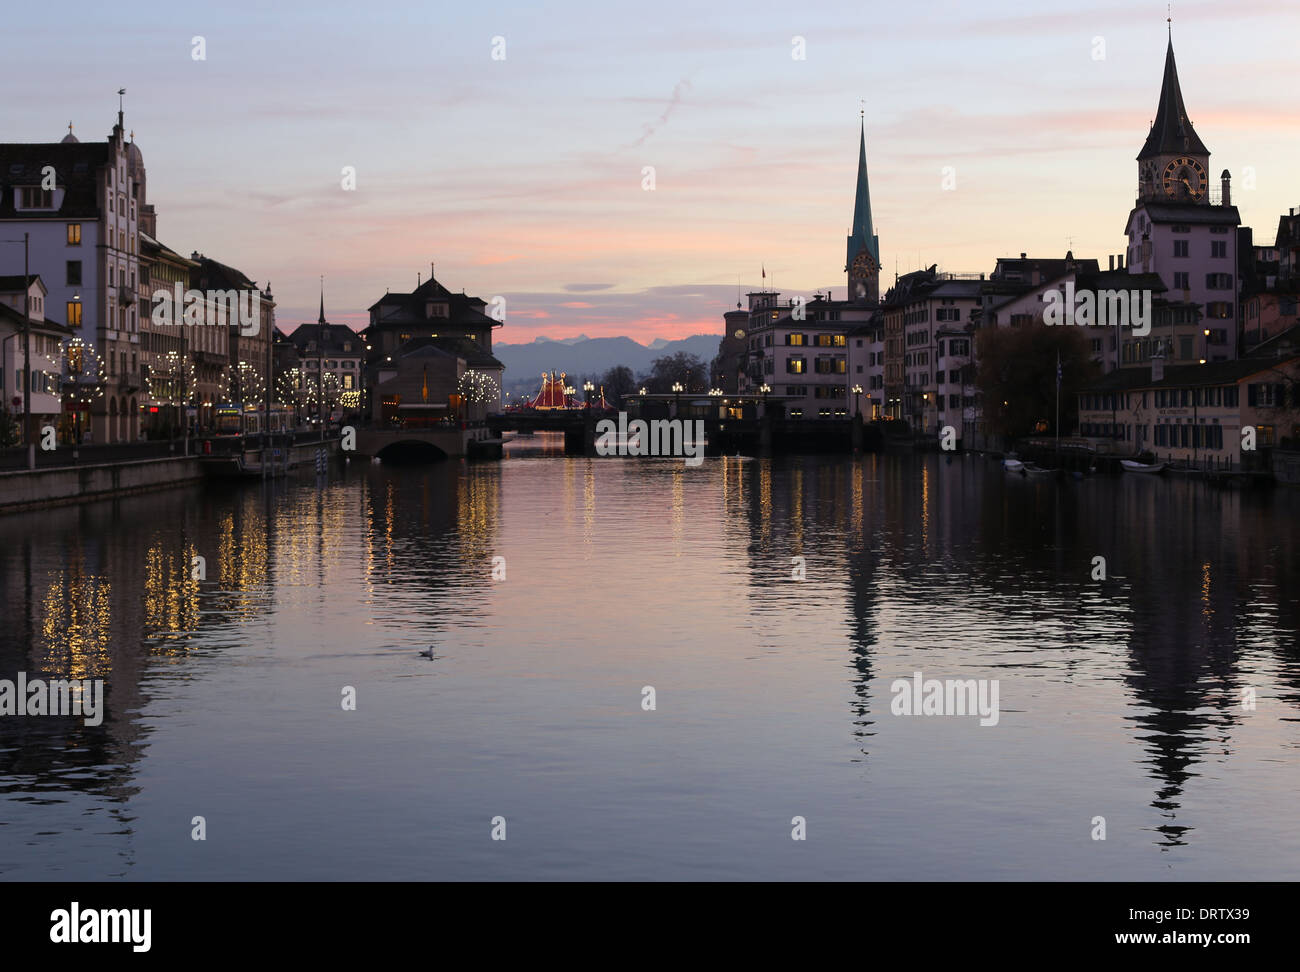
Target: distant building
<point x="170" y="389"/>
<point x="331" y="362"/>
<point x="432" y="315"/>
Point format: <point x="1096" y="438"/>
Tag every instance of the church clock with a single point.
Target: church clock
<point x="1185" y="175"/>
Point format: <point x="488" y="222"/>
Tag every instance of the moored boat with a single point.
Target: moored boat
<point x="1012" y="465"/>
<point x="1150" y="468"/>
<point x="1037" y="472"/>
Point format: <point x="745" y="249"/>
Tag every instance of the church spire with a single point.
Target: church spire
<point x="1171" y="132"/>
<point x="862" y="262"/>
<point x="321" y="319"/>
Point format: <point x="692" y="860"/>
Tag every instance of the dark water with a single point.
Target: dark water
<point x="1119" y="698"/>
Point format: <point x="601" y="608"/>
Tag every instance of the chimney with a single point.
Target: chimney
<point x="1226" y="182"/>
<point x="1112" y="261"/>
<point x="1022" y="256"/>
<point x="430" y="269"/>
<point x="1119" y="262"/>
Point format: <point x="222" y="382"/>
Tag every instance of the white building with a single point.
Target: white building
<point x="78" y="202"/>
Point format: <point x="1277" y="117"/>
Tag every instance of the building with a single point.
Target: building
<point x="455" y="323"/>
<point x="170" y="394"/>
<point x="331" y="360"/>
<point x="800" y="349"/>
<point x="246" y="371"/>
<point x="1180" y="227"/>
<point x="928" y="328"/>
<point x="19" y="296"/>
<point x="1196" y="413"/>
<point x="79" y="202"/>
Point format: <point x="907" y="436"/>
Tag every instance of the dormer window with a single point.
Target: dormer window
<point x="34" y="197"/>
<point x="435" y="309"/>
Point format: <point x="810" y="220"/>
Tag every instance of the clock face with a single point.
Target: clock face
<point x="739" y="333"/>
<point x="1184" y="175"/>
<point x="863" y="265"/>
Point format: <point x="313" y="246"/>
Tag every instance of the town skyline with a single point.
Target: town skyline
<point x="576" y="244"/>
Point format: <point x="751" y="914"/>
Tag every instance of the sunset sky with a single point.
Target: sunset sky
<point x="523" y="177"/>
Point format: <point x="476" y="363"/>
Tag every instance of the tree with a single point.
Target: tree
<point x="1016" y="376"/>
<point x="618" y="383"/>
<point x="8" y="428"/>
<point x="680" y="368"/>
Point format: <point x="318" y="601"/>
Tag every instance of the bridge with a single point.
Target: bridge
<point x="395" y="445"/>
<point x="757" y="435"/>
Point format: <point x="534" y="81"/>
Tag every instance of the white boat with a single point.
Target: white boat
<point x="1151" y="468"/>
<point x="1013" y="465"/>
<point x="1037" y="472"/>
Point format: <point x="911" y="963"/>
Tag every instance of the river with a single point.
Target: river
<point x="1164" y="698"/>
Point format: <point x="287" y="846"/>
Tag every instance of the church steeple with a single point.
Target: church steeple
<point x="863" y="250"/>
<point x="1171" y="133"/>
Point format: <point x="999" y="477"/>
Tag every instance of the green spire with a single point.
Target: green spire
<point x="862" y="235"/>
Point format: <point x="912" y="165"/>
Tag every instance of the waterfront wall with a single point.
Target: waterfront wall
<point x="39" y="488"/>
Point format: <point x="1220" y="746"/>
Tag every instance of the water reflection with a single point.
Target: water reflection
<point x="911" y="563"/>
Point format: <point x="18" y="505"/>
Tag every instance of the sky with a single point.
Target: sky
<point x="523" y="175"/>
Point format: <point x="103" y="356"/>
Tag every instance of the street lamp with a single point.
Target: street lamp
<point x="857" y="397"/>
<point x="677" y="396"/>
<point x="588" y="387"/>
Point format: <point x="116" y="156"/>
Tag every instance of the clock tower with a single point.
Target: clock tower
<point x="1185" y="233"/>
<point x="1174" y="164"/>
<point x="863" y="258"/>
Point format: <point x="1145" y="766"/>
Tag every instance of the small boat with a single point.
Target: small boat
<point x="1151" y="468"/>
<point x="1037" y="472"/>
<point x="1013" y="465"/>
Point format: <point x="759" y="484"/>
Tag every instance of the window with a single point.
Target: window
<point x="74" y="234"/>
<point x="1218" y="281"/>
<point x="1218" y="310"/>
<point x="74" y="273"/>
<point x="1180" y="248"/>
<point x="1218" y="248"/>
<point x="1182" y="280"/>
<point x="34" y="197"/>
<point x="1181" y="228"/>
<point x="74" y="313"/>
<point x="794" y="340"/>
<point x="1265" y="395"/>
<point x="796" y="366"/>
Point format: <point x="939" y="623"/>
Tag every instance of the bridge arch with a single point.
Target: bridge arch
<point x="408" y="451"/>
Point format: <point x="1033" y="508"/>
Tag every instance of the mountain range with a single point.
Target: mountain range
<point x="594" y="356"/>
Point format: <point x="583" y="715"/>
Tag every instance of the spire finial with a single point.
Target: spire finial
<point x="1169" y="20"/>
<point x="322" y="300"/>
<point x="69" y="128"/>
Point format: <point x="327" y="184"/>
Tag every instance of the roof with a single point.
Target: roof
<point x="1188" y="376"/>
<point x="1171" y="132"/>
<point x="1190" y="213"/>
<point x="211" y="275"/>
<point x="15" y="282"/>
<point x="16" y="317"/>
<point x="862" y="235"/>
<point x="76" y="165"/>
<point x="473" y="355"/>
<point x="329" y="338"/>
<point x="462" y="310"/>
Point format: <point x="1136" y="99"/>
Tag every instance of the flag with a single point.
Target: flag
<point x="764" y="272"/>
